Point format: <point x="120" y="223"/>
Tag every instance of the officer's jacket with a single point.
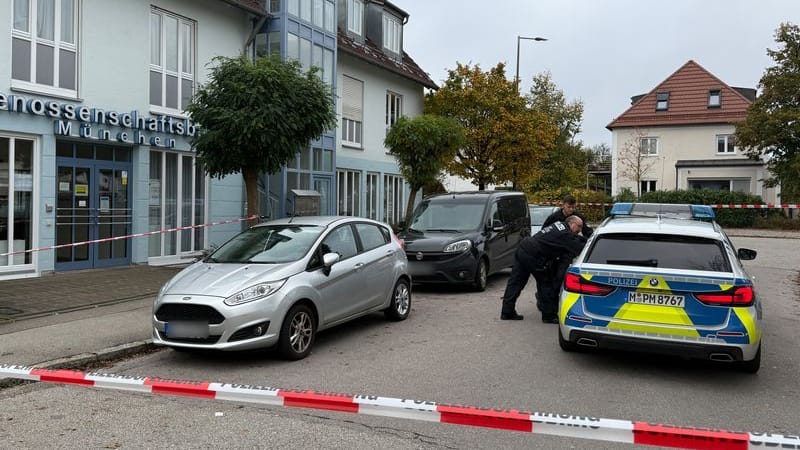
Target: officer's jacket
<point x="559" y="216"/>
<point x="554" y="241"/>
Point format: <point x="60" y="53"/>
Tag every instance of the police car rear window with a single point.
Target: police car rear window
<point x="659" y="250"/>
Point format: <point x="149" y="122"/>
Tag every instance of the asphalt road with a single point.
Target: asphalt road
<point x="453" y="349"/>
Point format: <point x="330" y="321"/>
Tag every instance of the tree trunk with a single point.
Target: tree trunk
<point x="412" y="197"/>
<point x="251" y="188"/>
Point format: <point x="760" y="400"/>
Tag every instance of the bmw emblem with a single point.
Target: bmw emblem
<point x="653" y="282"/>
<point x="186" y="298"/>
<point x="419" y="256"/>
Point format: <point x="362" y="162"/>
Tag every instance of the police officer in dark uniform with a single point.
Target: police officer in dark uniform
<point x="535" y="255"/>
<point x="568" y="209"/>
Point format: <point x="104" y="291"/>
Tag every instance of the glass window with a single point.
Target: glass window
<point x="647" y="186"/>
<point x="316" y="58"/>
<point x="294" y="7"/>
<point x="16" y="200"/>
<point x="305" y="10"/>
<point x="391" y="33"/>
<point x="447" y="216"/>
<point x="172" y="47"/>
<point x="726" y="143"/>
<point x="318" y="14"/>
<point x="330" y="16"/>
<point x="341" y="241"/>
<point x="21" y="15"/>
<point x="54" y="65"/>
<point x="292" y="46"/>
<point x="305" y="53"/>
<point x="327" y="66"/>
<point x="352" y="102"/>
<point x="394" y="108"/>
<point x="648" y="146"/>
<point x="268" y="245"/>
<point x="714" y="100"/>
<point x="275" y="43"/>
<point x="355" y="16"/>
<point x="393" y="199"/>
<point x="349" y="189"/>
<point x="662" y="101"/>
<point x="659" y="250"/>
<point x="371" y="236"/>
<point x="274" y="6"/>
<point x="372" y="195"/>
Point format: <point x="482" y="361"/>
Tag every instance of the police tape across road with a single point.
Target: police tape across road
<point x="127" y="236"/>
<point x="504" y="419"/>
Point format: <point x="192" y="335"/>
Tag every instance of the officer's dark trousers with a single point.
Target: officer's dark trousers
<point x="525" y="264"/>
<point x="548" y="285"/>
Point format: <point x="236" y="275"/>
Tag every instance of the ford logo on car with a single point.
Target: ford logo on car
<point x="419" y="256"/>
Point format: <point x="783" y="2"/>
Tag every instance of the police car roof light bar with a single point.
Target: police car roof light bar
<point x="696" y="212"/>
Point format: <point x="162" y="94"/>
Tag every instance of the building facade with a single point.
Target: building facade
<point x="94" y="143"/>
<point x="680" y="135"/>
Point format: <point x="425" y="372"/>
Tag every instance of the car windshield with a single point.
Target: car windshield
<point x="447" y="217"/>
<point x="273" y="244"/>
<point x="539" y="215"/>
<point x="659" y="250"/>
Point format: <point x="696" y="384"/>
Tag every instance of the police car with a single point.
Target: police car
<point x="662" y="279"/>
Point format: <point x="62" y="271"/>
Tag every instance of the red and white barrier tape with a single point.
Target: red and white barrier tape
<point x="505" y="419"/>
<point x="117" y="238"/>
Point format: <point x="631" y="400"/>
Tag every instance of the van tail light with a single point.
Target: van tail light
<point x="575" y="283"/>
<point x="739" y="296"/>
<point x="399" y="241"/>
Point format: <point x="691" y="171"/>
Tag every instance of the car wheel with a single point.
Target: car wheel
<point x="400" y="306"/>
<point x="566" y="345"/>
<point x="481" y="275"/>
<point x="753" y="365"/>
<point x="297" y="333"/>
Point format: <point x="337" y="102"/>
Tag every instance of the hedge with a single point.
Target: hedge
<point x="737" y="218"/>
<point x="592" y="213"/>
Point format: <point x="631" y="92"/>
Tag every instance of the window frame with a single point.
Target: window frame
<point x="729" y="143"/>
<point x="715" y="93"/>
<point x="57" y="44"/>
<point x="164" y="71"/>
<point x="348" y="181"/>
<point x="642" y="146"/>
<point x="9" y="266"/>
<point x="394" y="108"/>
<point x="392" y="34"/>
<point x="394" y="198"/>
<point x="662" y="101"/>
<point x="648" y="186"/>
<point x="355" y="22"/>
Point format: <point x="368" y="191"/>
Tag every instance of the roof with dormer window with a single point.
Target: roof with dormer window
<point x="689" y="88"/>
<point x="373" y="54"/>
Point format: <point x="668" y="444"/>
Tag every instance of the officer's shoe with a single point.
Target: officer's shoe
<point x="549" y="319"/>
<point x="512" y="316"/>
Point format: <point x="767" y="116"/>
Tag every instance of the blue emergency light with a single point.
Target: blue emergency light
<point x="696" y="212"/>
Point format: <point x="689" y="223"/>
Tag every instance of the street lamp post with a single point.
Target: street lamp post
<point x="519" y="38"/>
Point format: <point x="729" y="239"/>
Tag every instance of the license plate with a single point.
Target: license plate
<point x="186" y="330"/>
<point x="646" y="298"/>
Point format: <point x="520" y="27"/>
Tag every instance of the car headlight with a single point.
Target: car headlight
<point x="459" y="246"/>
<point x="254" y="292"/>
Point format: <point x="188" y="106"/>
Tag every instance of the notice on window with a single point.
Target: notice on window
<point x="82" y="189"/>
<point x="124" y="176"/>
<point x="23" y="182"/>
<point x="105" y="204"/>
<point x="63" y="186"/>
<point x="155" y="193"/>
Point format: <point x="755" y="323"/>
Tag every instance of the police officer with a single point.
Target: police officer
<point x="535" y="255"/>
<point x="568" y="209"/>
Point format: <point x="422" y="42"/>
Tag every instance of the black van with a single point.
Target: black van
<point x="463" y="237"/>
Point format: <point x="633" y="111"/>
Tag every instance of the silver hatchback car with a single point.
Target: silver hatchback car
<point x="280" y="282"/>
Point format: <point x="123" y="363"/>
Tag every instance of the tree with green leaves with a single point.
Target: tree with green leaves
<point x="564" y="165"/>
<point x="255" y="116"/>
<point x="501" y="135"/>
<point x="423" y="146"/>
<point x="772" y="128"/>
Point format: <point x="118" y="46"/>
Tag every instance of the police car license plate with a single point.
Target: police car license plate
<point x="186" y="330"/>
<point x="646" y="298"/>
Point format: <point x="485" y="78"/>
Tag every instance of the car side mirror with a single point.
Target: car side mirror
<point x="328" y="260"/>
<point x="745" y="254"/>
<point x="497" y="225"/>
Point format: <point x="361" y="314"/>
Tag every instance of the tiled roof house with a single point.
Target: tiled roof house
<point x="680" y="136"/>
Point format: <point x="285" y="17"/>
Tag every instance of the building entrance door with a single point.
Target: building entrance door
<point x="92" y="203"/>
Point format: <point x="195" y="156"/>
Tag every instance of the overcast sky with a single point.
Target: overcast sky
<point x="599" y="51"/>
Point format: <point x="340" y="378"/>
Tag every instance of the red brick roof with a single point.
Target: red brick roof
<point x="253" y="6"/>
<point x="373" y="54"/>
<point x="688" y="89"/>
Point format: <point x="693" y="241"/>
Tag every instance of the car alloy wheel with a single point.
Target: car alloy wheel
<point x="297" y="333"/>
<point x="400" y="306"/>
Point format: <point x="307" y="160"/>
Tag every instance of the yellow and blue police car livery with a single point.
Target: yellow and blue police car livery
<point x="637" y="305"/>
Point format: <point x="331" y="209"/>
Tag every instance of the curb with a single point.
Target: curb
<point x="86" y="359"/>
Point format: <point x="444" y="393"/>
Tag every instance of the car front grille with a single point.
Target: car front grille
<point x="412" y="256"/>
<point x="207" y="341"/>
<point x="175" y="311"/>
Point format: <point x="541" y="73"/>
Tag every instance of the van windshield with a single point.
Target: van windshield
<point x="447" y="217"/>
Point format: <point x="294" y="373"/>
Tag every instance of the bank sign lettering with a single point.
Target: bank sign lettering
<point x="93" y="120"/>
